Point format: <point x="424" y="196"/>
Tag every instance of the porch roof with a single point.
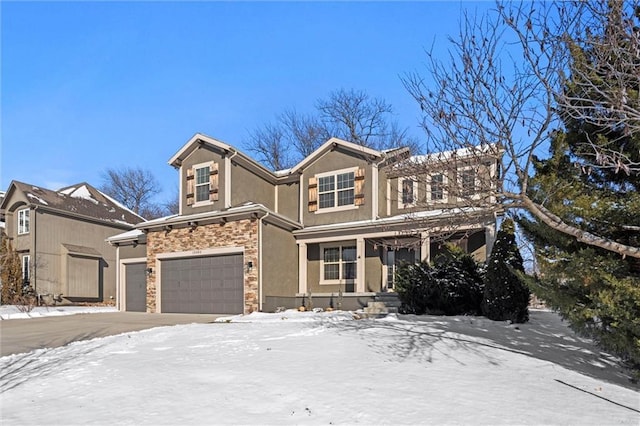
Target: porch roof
<point x="417" y="220"/>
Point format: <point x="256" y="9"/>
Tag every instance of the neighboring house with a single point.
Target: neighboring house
<point x="60" y="238"/>
<point x="330" y="231"/>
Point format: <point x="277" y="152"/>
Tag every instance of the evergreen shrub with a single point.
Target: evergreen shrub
<point x="506" y="294"/>
<point x="453" y="285"/>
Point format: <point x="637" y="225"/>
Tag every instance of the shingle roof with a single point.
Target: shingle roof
<point x="81" y="199"/>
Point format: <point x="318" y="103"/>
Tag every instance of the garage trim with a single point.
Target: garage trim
<point x="190" y="253"/>
<point x="122" y="290"/>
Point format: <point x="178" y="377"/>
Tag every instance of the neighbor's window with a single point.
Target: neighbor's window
<point x="23" y="221"/>
<point x="339" y="263"/>
<point x="26" y="263"/>
<point x="436" y="187"/>
<point x="202" y="183"/>
<point x="408" y="192"/>
<point x="336" y="190"/>
<point x="468" y="182"/>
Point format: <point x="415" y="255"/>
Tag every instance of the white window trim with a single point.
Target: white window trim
<point x="336" y="208"/>
<point x="476" y="184"/>
<point x="445" y="193"/>
<point x="21" y="228"/>
<point x="402" y="205"/>
<point x="208" y="201"/>
<point x="339" y="244"/>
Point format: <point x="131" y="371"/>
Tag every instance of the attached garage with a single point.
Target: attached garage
<point x="135" y="279"/>
<point x="202" y="284"/>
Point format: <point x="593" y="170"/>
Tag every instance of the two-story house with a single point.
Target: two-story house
<point x="335" y="227"/>
<point x="60" y="239"/>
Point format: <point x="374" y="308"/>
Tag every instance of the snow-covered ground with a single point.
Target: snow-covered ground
<point x="311" y="368"/>
<point x="13" y="312"/>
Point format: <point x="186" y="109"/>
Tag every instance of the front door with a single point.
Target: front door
<point x="393" y="259"/>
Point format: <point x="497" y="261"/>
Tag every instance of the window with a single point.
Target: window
<point x="336" y="190"/>
<point x="23" y="221"/>
<point x="202" y="183"/>
<point x="436" y="189"/>
<point x="468" y="182"/>
<point x="338" y="264"/>
<point x="408" y="191"/>
<point x="26" y="263"/>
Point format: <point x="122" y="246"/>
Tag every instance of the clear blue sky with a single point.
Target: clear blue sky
<point x="88" y="86"/>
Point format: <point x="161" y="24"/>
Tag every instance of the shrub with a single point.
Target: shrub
<point x="452" y="286"/>
<point x="506" y="295"/>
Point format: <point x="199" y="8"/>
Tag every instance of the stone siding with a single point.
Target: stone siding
<point x="242" y="233"/>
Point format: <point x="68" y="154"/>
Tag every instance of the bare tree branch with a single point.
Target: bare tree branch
<point x="495" y="99"/>
<point x="133" y="187"/>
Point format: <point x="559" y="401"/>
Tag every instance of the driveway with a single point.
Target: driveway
<point x="18" y="336"/>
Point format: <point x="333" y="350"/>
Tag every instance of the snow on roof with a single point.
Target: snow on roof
<point x="81" y="199"/>
<point x="36" y="198"/>
<point x="393" y="219"/>
<point x="84" y="193"/>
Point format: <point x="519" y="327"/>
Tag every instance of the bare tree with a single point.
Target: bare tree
<point x="305" y="133"/>
<point x="495" y="97"/>
<point x="269" y="145"/>
<point x="135" y="188"/>
<point x="347" y="114"/>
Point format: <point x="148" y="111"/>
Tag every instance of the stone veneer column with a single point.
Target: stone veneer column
<point x="242" y="233"/>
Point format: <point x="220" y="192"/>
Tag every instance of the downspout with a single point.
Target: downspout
<point x="118" y="283"/>
<point x="260" y="224"/>
<point x="227" y="179"/>
<point x="35" y="253"/>
<point x="375" y="190"/>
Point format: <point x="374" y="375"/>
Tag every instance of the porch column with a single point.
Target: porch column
<point x="489" y="238"/>
<point x="425" y="248"/>
<point x="360" y="262"/>
<point x="302" y="268"/>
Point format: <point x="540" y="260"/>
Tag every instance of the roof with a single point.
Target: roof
<point x="249" y="209"/>
<point x="419" y="218"/>
<point x="82" y="200"/>
<point x="200" y="139"/>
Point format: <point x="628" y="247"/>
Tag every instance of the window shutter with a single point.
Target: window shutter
<point x="190" y="186"/>
<point x="313" y="194"/>
<point x="213" y="182"/>
<point x="359" y="187"/>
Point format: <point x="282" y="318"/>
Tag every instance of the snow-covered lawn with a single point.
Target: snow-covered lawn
<point x="307" y="368"/>
<point x="14" y="312"/>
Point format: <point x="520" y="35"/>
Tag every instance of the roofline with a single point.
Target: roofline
<point x="273" y="177"/>
<point x="117" y="240"/>
<point x="395" y="221"/>
<point x="255" y="211"/>
<point x="188" y="148"/>
<point x="121" y="224"/>
<point x="330" y="144"/>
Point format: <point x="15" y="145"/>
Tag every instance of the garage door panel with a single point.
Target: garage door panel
<point x="213" y="284"/>
<point x="135" y="287"/>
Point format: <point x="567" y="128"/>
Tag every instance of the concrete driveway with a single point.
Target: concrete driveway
<point x="18" y="336"/>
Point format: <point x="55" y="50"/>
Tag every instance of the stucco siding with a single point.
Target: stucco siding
<point x="288" y="196"/>
<point x="51" y="233"/>
<point x="373" y="268"/>
<point x="334" y="161"/>
<point x="246" y="186"/>
<point x="279" y="262"/>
